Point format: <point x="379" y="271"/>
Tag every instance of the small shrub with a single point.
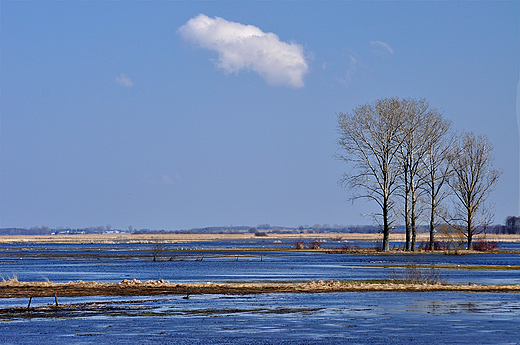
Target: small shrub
<point x="342" y="250"/>
<point x="315" y="244"/>
<point x="260" y="234"/>
<point x="425" y="245"/>
<point x="157" y="248"/>
<point x="299" y="244"/>
<point x="484" y="246"/>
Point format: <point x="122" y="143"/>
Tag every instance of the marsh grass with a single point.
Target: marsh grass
<point x="13" y="279"/>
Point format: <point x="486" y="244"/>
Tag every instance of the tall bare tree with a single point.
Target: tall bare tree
<point x="417" y="128"/>
<point x="473" y="179"/>
<point x="440" y="144"/>
<point x="369" y="142"/>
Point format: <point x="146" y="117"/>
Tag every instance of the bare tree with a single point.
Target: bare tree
<point x="157" y="248"/>
<point x="368" y="140"/>
<point x="417" y="128"/>
<point x="440" y="142"/>
<point x="473" y="179"/>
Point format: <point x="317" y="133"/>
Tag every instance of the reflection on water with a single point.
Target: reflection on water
<point x="482" y="307"/>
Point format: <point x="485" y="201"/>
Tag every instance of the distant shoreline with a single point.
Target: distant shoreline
<point x="173" y="238"/>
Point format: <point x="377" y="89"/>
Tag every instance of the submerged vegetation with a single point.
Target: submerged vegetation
<point x="416" y="274"/>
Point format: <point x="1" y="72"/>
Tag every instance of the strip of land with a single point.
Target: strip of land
<point x="173" y="238"/>
<point x="16" y="289"/>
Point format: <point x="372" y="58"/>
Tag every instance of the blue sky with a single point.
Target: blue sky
<point x="113" y="114"/>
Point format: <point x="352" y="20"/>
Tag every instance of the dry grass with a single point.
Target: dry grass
<point x="14" y="288"/>
<point x="171" y="238"/>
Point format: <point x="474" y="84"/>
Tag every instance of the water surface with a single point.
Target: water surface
<point x="321" y="318"/>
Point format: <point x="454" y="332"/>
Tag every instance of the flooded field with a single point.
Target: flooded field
<point x="224" y="261"/>
<point x="272" y="318"/>
<point x="332" y="318"/>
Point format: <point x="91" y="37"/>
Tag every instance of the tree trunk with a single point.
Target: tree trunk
<point x="414" y="236"/>
<point x="386" y="240"/>
<point x="406" y="208"/>
<point x="432" y="215"/>
<point x="412" y="223"/>
<point x="470" y="239"/>
<point x="386" y="229"/>
<point x="408" y="238"/>
<point x="432" y="229"/>
<point x="470" y="230"/>
<point x="407" y="224"/>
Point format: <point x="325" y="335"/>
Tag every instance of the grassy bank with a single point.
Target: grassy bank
<point x="16" y="289"/>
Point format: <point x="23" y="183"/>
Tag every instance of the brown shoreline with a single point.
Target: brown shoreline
<point x="16" y="289"/>
<point x="172" y="238"/>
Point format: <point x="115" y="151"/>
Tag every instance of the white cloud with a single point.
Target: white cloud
<point x="124" y="80"/>
<point x="382" y="45"/>
<point x="247" y="47"/>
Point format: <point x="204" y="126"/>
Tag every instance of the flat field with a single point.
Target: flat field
<point x="172" y="238"/>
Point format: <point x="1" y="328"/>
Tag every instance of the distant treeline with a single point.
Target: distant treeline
<point x="511" y="226"/>
<point x="316" y="228"/>
<point x="45" y="230"/>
